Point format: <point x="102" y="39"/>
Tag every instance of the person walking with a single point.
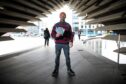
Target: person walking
<point x="46" y="36"/>
<point x="62" y="33"/>
<point x="79" y="34"/>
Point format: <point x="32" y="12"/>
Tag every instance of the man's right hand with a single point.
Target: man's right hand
<point x="58" y="35"/>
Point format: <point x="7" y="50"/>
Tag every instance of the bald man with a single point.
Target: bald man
<point x="62" y="33"/>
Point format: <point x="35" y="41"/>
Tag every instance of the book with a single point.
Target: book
<point x="60" y="30"/>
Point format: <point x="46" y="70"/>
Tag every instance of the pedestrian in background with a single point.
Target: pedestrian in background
<point x="79" y="34"/>
<point x="46" y="36"/>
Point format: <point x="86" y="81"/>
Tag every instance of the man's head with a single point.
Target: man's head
<point x="62" y="16"/>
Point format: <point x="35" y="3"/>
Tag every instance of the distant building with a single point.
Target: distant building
<point x="75" y="22"/>
<point x="86" y="29"/>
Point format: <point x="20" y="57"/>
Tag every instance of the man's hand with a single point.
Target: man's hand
<point x="71" y="44"/>
<point x="58" y="35"/>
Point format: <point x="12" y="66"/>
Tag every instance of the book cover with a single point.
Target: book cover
<point x="60" y="30"/>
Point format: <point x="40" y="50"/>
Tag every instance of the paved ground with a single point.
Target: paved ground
<point x="35" y="67"/>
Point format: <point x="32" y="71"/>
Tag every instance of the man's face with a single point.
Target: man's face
<point x="62" y="16"/>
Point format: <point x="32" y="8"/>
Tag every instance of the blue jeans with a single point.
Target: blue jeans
<point x="66" y="49"/>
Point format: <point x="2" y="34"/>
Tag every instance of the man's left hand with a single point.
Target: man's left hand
<point x="71" y="44"/>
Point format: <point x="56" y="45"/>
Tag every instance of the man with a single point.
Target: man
<point x="62" y="33"/>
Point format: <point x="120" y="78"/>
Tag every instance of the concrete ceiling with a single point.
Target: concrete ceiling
<point x="17" y="12"/>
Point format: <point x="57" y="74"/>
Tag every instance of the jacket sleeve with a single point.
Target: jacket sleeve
<point x="49" y="34"/>
<point x="53" y="33"/>
<point x="71" y="35"/>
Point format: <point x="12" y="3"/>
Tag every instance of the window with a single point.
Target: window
<point x="75" y="23"/>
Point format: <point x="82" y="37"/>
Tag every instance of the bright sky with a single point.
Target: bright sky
<point x="54" y="17"/>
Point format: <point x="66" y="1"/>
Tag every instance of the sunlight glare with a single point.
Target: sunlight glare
<point x="53" y="18"/>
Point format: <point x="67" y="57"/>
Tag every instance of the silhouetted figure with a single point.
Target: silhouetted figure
<point x="62" y="33"/>
<point x="46" y="36"/>
<point x="79" y="34"/>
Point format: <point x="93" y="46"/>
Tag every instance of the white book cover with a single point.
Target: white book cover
<point x="60" y="30"/>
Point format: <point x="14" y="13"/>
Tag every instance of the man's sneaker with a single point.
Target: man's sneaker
<point x="71" y="72"/>
<point x="55" y="73"/>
